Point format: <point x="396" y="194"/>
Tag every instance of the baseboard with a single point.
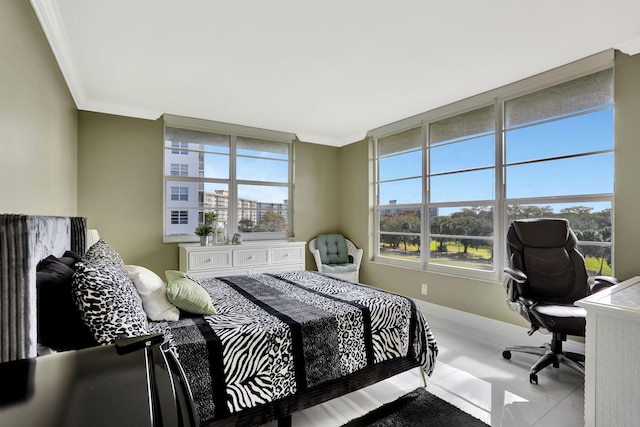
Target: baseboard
<point x="470" y="322"/>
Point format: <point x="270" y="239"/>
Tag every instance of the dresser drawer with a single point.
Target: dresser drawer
<point x="287" y="254"/>
<point x="254" y="256"/>
<point x="199" y="260"/>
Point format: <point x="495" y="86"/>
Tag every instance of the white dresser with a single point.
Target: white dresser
<point x="264" y="256"/>
<point x="612" y="377"/>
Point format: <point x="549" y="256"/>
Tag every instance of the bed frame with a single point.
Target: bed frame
<point x="24" y="241"/>
<point x="27" y="239"/>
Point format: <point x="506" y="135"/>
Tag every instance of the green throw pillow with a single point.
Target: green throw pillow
<point x="188" y="295"/>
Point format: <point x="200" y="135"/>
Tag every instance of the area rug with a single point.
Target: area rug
<point x="415" y="409"/>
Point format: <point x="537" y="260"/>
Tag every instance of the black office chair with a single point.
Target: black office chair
<point x="546" y="275"/>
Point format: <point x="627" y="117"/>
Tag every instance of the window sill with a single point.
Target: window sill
<point x="493" y="278"/>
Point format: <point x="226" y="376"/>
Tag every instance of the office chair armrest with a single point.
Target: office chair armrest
<point x="603" y="282"/>
<point x="512" y="280"/>
<point x="516" y="274"/>
<point x="527" y="302"/>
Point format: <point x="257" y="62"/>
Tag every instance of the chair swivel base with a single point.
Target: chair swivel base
<point x="548" y="357"/>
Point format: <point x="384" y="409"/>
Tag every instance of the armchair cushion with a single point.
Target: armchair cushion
<point x="338" y="268"/>
<point x="333" y="249"/>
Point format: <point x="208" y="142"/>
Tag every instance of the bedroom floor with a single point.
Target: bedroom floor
<point x="471" y="374"/>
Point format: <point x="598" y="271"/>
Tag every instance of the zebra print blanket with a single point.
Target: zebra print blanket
<point x="277" y="334"/>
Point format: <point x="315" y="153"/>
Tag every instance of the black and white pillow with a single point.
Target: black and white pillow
<point x="101" y="251"/>
<point x="108" y="301"/>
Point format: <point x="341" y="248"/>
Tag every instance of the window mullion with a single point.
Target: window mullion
<point x="232" y="216"/>
<point x="500" y="210"/>
<point x="426" y="217"/>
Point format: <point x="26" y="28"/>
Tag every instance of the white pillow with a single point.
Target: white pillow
<point x="153" y="292"/>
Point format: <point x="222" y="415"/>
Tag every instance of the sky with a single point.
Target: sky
<point x="591" y="174"/>
<point x="270" y="167"/>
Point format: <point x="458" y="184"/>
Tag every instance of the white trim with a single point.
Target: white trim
<point x="51" y="23"/>
<point x="630" y="47"/>
<point x="106" y="108"/>
<point x="180" y="238"/>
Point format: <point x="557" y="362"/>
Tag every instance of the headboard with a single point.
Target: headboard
<point x="24" y="241"/>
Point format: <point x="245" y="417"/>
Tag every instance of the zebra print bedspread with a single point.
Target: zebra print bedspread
<point x="277" y="334"/>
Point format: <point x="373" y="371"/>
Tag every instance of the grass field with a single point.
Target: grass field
<point x="478" y="258"/>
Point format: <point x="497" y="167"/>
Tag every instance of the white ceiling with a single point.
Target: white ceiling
<point x="328" y="70"/>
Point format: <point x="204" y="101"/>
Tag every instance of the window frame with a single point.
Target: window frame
<point x="233" y="131"/>
<point x="497" y="98"/>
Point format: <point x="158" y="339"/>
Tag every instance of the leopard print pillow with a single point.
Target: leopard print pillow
<point x="108" y="301"/>
<point x="102" y="251"/>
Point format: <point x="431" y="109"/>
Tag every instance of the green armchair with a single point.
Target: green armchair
<point x="336" y="256"/>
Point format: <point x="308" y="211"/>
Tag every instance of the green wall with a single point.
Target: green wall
<point x="120" y="186"/>
<point x="627" y="166"/>
<point x="37" y="119"/>
<point x="316" y="190"/>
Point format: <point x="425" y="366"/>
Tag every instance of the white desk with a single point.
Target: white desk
<point x="612" y="377"/>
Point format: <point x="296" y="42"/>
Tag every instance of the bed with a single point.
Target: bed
<point x="277" y="343"/>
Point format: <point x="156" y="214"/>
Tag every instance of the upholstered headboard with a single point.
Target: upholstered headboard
<point x="24" y="241"/>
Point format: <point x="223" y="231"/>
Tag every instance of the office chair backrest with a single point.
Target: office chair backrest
<point x="545" y="249"/>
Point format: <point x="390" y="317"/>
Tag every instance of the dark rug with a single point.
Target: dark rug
<point x="418" y="408"/>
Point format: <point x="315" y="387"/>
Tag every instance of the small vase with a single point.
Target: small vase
<point x="203" y="240"/>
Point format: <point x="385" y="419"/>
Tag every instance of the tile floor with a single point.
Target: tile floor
<point x="471" y="374"/>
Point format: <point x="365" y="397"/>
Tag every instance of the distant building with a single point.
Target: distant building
<point x="218" y="201"/>
<point x="187" y="200"/>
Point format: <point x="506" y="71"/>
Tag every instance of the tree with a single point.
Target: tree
<point x="271" y="221"/>
<point x="529" y="211"/>
<point x="245" y="225"/>
<point x="439" y="225"/>
<point x="405" y="222"/>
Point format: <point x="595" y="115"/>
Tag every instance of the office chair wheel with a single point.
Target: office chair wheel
<point x="506" y="354"/>
<point x="533" y="379"/>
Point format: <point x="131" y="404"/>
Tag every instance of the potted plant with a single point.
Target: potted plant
<point x="208" y="228"/>
<point x="204" y="231"/>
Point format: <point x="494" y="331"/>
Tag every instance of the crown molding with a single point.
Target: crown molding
<point x="118" y="110"/>
<point x="630" y="47"/>
<point x="51" y="23"/>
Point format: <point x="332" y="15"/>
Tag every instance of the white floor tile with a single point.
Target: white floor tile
<point x="471" y="374"/>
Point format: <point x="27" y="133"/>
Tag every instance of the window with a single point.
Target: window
<point x="400" y="194"/>
<point x="563" y="136"/>
<point x="462" y="176"/>
<point x="448" y="186"/>
<point x="242" y="174"/>
<point x="178" y="144"/>
<point x="180" y="194"/>
<point x="178" y="169"/>
<point x="179" y="217"/>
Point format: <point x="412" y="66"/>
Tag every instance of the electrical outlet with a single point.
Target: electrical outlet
<point x="424" y="289"/>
